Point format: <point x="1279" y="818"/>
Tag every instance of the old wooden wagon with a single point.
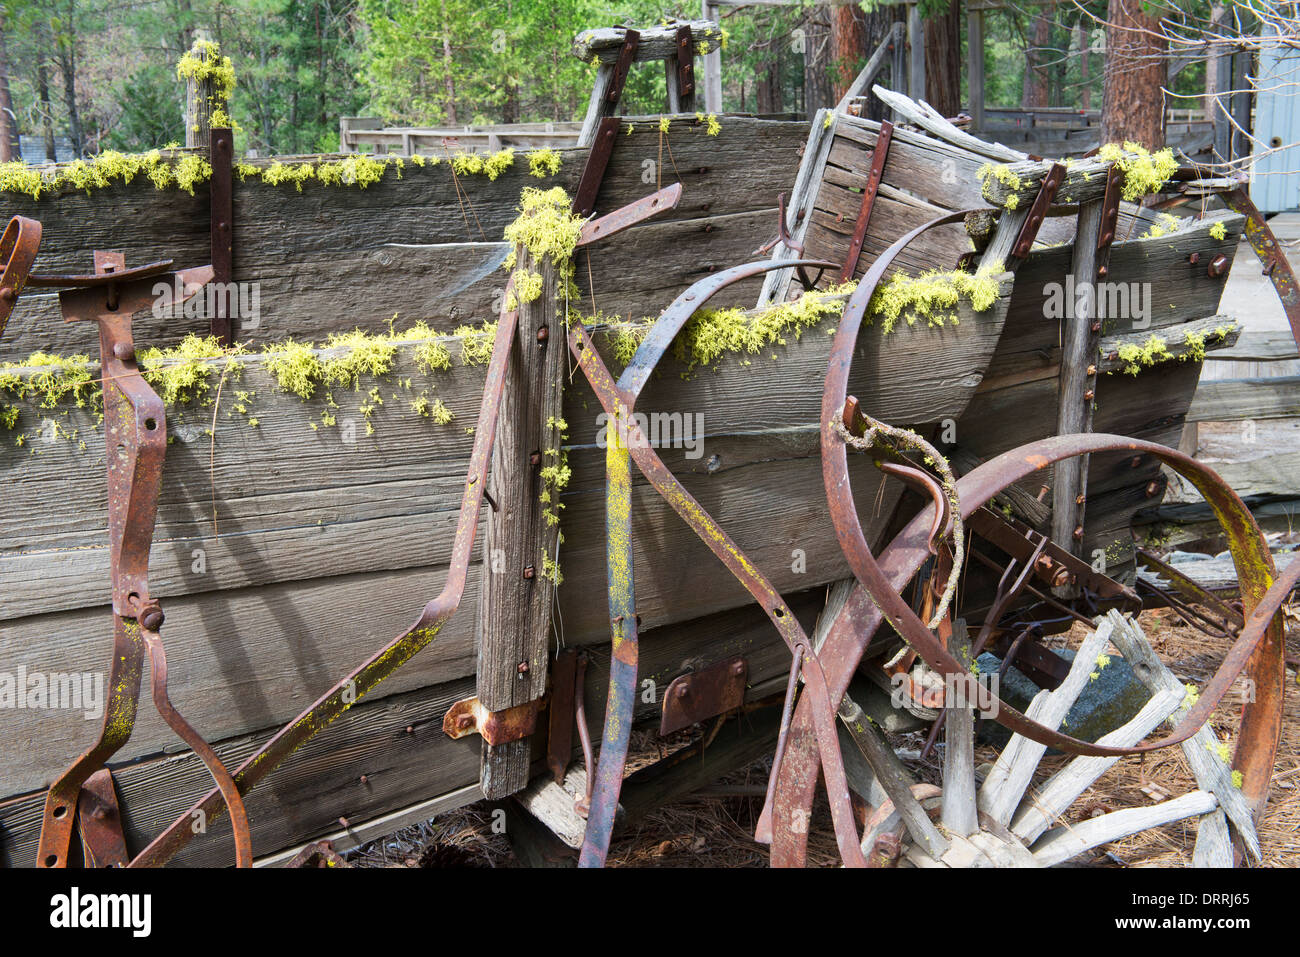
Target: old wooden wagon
<point x="294" y="501"/>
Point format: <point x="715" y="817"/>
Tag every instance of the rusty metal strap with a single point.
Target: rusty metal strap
<point x="18" y="246"/>
<point x="1038" y="211"/>
<point x="878" y="156"/>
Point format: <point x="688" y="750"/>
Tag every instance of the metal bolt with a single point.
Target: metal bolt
<point x="535" y="458"/>
<point x="1135" y="461"/>
<point x="410" y="729"/>
<point x="7" y="294"/>
<point x="1088" y="396"/>
<point x="1152" y="488"/>
<point x="738" y="668"/>
<point x="528" y="571"/>
<point x="1080" y="499"/>
<point x="1078" y="533"/>
<point x="1092" y="370"/>
<point x="1096" y="327"/>
<point x="364" y="779"/>
<point x="543" y="334"/>
<point x="343" y="823"/>
<point x="1217" y="267"/>
<point x="683" y="691"/>
<point x="523" y="668"/>
<point x="151" y="618"/>
<point x="1194" y="258"/>
<point x="123" y="351"/>
<point x="465" y="722"/>
<point x="1103" y="271"/>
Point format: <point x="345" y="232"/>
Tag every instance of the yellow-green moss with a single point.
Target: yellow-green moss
<point x="1218" y="230"/>
<point x="665" y="123"/>
<point x="109" y="168"/>
<point x="1000" y="172"/>
<point x="546" y="226"/>
<point x="476" y="342"/>
<point x="528" y="285"/>
<point x="1135" y="357"/>
<point x="1144" y="172"/>
<point x="543" y="163"/>
<point x="933" y="295"/>
<point x="48" y="381"/>
<point x="209" y="64"/>
<point x="180" y="374"/>
<point x="470" y="164"/>
<point x="711" y="125"/>
<point x="434" y="409"/>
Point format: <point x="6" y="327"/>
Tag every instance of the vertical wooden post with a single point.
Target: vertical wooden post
<point x="975" y="67"/>
<point x="221" y="230"/>
<point x="958" y="812"/>
<point x="198" y="104"/>
<point x="674" y="91"/>
<point x="517" y="597"/>
<point x="916" y="60"/>
<point x="713" y="64"/>
<point x="1077" y="381"/>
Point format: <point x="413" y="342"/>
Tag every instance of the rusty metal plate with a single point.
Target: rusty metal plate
<point x="696" y="697"/>
<point x="1038" y="212"/>
<point x="99" y="820"/>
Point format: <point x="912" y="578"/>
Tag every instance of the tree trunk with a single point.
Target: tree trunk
<point x="818" y="60"/>
<point x="68" y="68"/>
<point x="47" y="111"/>
<point x="1035" y="88"/>
<point x="10" y="146"/>
<point x="848" y="46"/>
<point x="448" y="67"/>
<point x="1133" y="107"/>
<point x="943" y="59"/>
<point x="1085" y="81"/>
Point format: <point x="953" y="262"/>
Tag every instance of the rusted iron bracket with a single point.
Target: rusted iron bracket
<point x="18" y="246"/>
<point x="560" y="714"/>
<point x="879" y="155"/>
<point x="136" y="438"/>
<point x="99" y="822"/>
<point x="622" y="66"/>
<point x="1109" y="219"/>
<point x="396" y="653"/>
<point x="1038" y="211"/>
<point x="704" y="694"/>
<point x="685" y="61"/>
<point x="1276" y="266"/>
<point x="468" y="716"/>
<point x="593" y="171"/>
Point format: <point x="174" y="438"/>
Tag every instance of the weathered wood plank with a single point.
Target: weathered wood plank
<point x="1227" y="400"/>
<point x="1060" y="844"/>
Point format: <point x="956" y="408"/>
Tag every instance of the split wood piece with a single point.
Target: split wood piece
<point x="1188" y="340"/>
<point x="1077" y="387"/>
<point x="926" y="117"/>
<point x="199" y="92"/>
<point x="798" y="212"/>
<point x="1213" y="842"/>
<point x="1001" y="246"/>
<point x="517" y="597"/>
<point x="1010" y="777"/>
<point x="1044" y="805"/>
<point x="554" y="805"/>
<point x="656" y="43"/>
<point x="533" y="844"/>
<point x="1063" y="843"/>
<point x="1212" y="773"/>
<point x="960" y="817"/>
<point x="981" y="849"/>
<point x="894" y="779"/>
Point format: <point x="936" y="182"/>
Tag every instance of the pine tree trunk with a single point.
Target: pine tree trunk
<point x="10" y="145"/>
<point x="1035" y="89"/>
<point x="47" y="111"/>
<point x="848" y="47"/>
<point x="68" y="68"/>
<point x="943" y="59"/>
<point x="448" y="68"/>
<point x="1132" y="105"/>
<point x="818" y="63"/>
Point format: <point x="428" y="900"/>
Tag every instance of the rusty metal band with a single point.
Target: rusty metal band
<point x="617" y="399"/>
<point x="879" y="153"/>
<point x="18" y="247"/>
<point x="1038" y="211"/>
<point x="136" y="439"/>
<point x="397" y="652"/>
<point x="1264" y="243"/>
<point x="621" y="698"/>
<point x="392" y="656"/>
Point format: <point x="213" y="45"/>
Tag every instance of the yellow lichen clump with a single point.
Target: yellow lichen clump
<point x="1144" y="172"/>
<point x="468" y="164"/>
<point x="1154" y="350"/>
<point x="932" y="295"/>
<point x="546" y="226"/>
<point x="107" y="169"/>
<point x="1218" y="231"/>
<point x="543" y="163"/>
<point x="208" y="64"/>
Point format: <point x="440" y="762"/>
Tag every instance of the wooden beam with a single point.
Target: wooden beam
<point x="1228" y="400"/>
<point x="518" y="595"/>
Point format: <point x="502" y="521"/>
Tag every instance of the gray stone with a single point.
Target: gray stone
<point x="1107" y="702"/>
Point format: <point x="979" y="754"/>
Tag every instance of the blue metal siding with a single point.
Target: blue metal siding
<point x="1276" y="184"/>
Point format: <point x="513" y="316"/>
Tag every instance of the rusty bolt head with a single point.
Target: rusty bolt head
<point x="151" y="619"/>
<point x="1096" y="327"/>
<point x="1217" y="267"/>
<point x="465" y="722"/>
<point x="523" y="668"/>
<point x="123" y="351"/>
<point x="343" y="823"/>
<point x="364" y="779"/>
<point x="8" y="294"/>
<point x="535" y="458"/>
<point x="1078" y="533"/>
<point x="529" y="572"/>
<point x="1089" y="395"/>
<point x="1193" y="258"/>
<point x="1103" y="272"/>
<point x="543" y="334"/>
<point x="683" y="691"/>
<point x="1135" y="461"/>
<point x="738" y="668"/>
<point x="1092" y="370"/>
<point x="1080" y="499"/>
<point x="410" y="729"/>
<point x="1152" y="488"/>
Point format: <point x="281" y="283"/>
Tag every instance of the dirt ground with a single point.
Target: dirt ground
<point x="714" y="828"/>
